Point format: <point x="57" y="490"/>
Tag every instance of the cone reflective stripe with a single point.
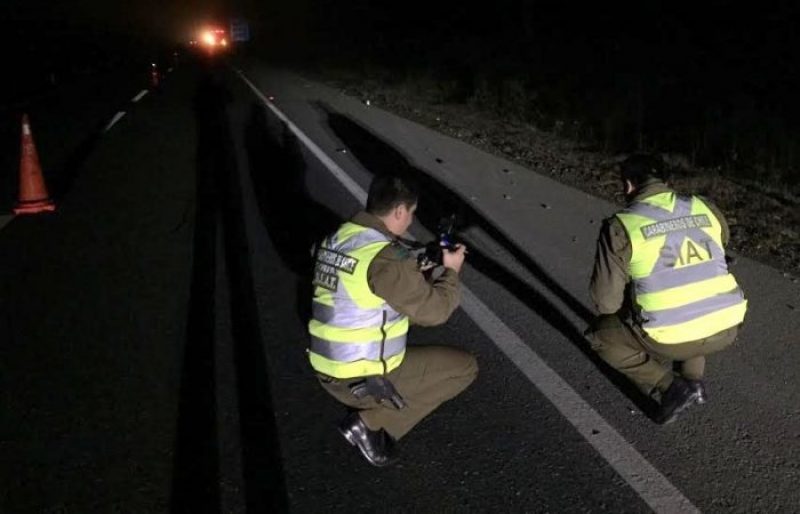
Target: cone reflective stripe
<point x="33" y="196"/>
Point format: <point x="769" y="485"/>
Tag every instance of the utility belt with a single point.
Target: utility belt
<point x="378" y="387"/>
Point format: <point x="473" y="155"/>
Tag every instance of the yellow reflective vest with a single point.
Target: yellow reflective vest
<point x="681" y="285"/>
<point x="353" y="332"/>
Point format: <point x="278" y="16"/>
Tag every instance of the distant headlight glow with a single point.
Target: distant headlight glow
<point x="209" y="38"/>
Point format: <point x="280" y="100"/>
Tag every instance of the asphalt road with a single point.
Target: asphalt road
<point x="154" y="331"/>
<point x="67" y="120"/>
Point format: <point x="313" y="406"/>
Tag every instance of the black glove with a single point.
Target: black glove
<point x="380" y="389"/>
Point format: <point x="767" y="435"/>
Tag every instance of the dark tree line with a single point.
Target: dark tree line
<point x="717" y="83"/>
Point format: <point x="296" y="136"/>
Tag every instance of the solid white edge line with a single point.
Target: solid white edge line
<point x="334" y="168"/>
<point x="114" y="120"/>
<point x="140" y="95"/>
<point x="649" y="483"/>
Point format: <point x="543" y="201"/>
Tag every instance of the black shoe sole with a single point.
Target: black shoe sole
<point x="672" y="417"/>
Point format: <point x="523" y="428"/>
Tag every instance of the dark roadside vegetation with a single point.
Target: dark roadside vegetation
<point x="568" y="90"/>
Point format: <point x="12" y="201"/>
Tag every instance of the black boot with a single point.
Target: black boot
<point x="675" y="399"/>
<point x="700" y="387"/>
<point x="375" y="445"/>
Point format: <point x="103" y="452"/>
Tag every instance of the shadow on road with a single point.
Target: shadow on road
<point x="196" y="476"/>
<point x="437" y="202"/>
<point x="295" y="221"/>
<point x="219" y="198"/>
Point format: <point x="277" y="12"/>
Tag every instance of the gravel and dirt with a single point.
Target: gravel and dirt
<point x="764" y="220"/>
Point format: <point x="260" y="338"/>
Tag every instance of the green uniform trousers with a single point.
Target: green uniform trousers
<point x="646" y="362"/>
<point x="428" y="376"/>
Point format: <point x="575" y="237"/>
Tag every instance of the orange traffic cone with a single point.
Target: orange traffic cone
<point x="154" y="75"/>
<point x="33" y="196"/>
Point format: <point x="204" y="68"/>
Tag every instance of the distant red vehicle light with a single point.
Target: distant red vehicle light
<point x="213" y="39"/>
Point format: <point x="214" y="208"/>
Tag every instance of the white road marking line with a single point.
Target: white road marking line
<point x="649" y="483"/>
<point x="140" y="95"/>
<point x="334" y="168"/>
<point x="114" y="120"/>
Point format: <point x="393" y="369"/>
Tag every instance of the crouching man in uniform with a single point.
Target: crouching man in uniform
<point x="367" y="289"/>
<point x="662" y="288"/>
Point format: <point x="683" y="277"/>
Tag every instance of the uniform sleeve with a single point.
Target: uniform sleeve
<point x="398" y="281"/>
<point x="610" y="274"/>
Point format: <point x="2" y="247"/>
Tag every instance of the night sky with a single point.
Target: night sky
<point x="649" y="36"/>
<point x="168" y="20"/>
<point x="669" y="73"/>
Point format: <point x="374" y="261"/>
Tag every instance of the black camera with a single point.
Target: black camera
<point x="445" y="240"/>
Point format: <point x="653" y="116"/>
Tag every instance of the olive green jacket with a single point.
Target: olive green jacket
<point x="610" y="275"/>
<point x="394" y="276"/>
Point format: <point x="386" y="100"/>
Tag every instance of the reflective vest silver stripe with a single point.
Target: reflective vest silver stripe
<point x="353" y="317"/>
<point x="677" y="315"/>
<point x="368" y="236"/>
<point x="667" y="279"/>
<point x="350" y="352"/>
<point x="664" y="275"/>
<point x="347" y="315"/>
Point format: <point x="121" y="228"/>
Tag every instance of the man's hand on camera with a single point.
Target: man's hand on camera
<point x="454" y="259"/>
<point x="427" y="266"/>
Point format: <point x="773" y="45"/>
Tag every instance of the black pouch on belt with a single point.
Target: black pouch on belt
<point x="380" y="389"/>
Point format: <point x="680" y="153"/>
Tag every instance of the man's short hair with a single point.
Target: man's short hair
<point x="639" y="168"/>
<point x="387" y="192"/>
